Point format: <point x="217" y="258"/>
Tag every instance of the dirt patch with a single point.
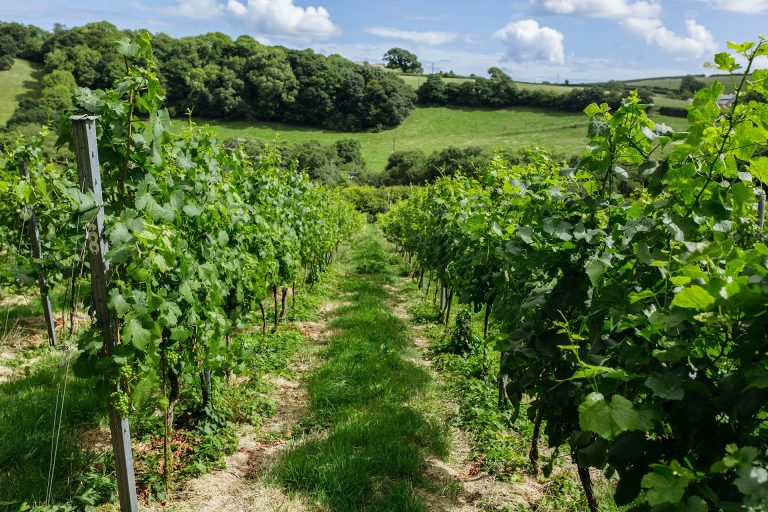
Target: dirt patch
<point x="97" y="439"/>
<point x="316" y="331"/>
<point x="328" y="308"/>
<point x="7" y="374"/>
<point x="291" y="397"/>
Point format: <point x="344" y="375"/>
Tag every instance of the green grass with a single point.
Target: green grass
<point x="435" y="128"/>
<point x="664" y="101"/>
<point x="415" y="81"/>
<point x="16" y="83"/>
<point x="26" y="415"/>
<point x="673" y="83"/>
<point x="559" y="89"/>
<point x="373" y="453"/>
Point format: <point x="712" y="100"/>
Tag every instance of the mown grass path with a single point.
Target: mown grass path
<point x="368" y="446"/>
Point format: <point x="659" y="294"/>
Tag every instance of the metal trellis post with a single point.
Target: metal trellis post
<point x="34" y="236"/>
<point x="84" y="133"/>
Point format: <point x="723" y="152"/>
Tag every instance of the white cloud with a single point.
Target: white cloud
<point x="698" y="42"/>
<point x="600" y="8"/>
<point x="282" y="17"/>
<point x="197" y="9"/>
<point x="266" y="17"/>
<point x="742" y="6"/>
<point x="643" y="18"/>
<point x="526" y="40"/>
<point x="432" y="38"/>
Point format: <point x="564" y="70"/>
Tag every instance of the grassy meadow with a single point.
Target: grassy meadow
<point x="434" y="128"/>
<point x="15" y="83"/>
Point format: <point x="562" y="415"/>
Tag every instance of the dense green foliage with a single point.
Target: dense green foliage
<point x="631" y="290"/>
<point x="49" y="190"/>
<point x="22" y="41"/>
<point x="673" y="111"/>
<point x="689" y="85"/>
<point x="417" y="168"/>
<point x="375" y="200"/>
<point x="216" y="77"/>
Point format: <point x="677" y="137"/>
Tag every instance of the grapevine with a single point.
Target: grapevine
<point x="198" y="237"/>
<point x="631" y="291"/>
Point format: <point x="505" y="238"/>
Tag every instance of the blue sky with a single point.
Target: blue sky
<point x="533" y="40"/>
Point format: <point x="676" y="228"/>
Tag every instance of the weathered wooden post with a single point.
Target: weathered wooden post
<point x="37" y="253"/>
<point x="84" y="134"/>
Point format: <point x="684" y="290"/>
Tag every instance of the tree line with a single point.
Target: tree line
<point x="499" y="90"/>
<point x="213" y="76"/>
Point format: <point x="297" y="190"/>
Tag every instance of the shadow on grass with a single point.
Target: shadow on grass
<point x="26" y="418"/>
<point x="373" y="455"/>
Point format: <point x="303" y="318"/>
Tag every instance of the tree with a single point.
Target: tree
<point x="689" y="85"/>
<point x="405" y="168"/>
<point x="502" y="89"/>
<point x="397" y="58"/>
<point x="432" y="92"/>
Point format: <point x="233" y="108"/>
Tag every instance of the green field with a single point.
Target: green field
<point x="673" y="83"/>
<point x="416" y="80"/>
<point x="435" y="128"/>
<point x="15" y="83"/>
<point x="664" y="101"/>
<point x="559" y="89"/>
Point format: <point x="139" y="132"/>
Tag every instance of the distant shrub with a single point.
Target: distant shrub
<point x="673" y="111"/>
<point x="375" y="200"/>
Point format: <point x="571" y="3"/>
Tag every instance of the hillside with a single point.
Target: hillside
<point x="435" y="128"/>
<point x="15" y="83"/>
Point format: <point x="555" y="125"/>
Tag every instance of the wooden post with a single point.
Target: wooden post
<point x="84" y="133"/>
<point x="37" y="253"/>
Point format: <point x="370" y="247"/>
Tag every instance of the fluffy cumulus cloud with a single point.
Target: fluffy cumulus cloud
<point x="698" y="42"/>
<point x="431" y="38"/>
<point x="742" y="6"/>
<point x="265" y="17"/>
<point x="643" y="18"/>
<point x="600" y="8"/>
<point x="526" y="40"/>
<point x="282" y="17"/>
